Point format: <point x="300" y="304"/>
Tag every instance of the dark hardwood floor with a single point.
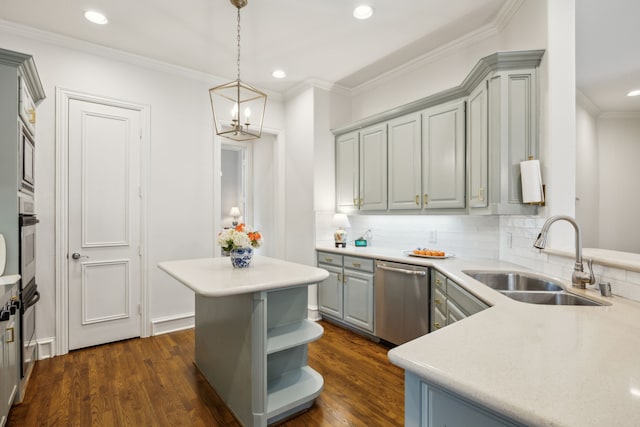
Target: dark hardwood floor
<point x="153" y="382"/>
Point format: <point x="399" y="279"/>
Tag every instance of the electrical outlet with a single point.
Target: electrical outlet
<point x="433" y="236"/>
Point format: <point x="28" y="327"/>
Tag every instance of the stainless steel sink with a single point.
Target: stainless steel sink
<point x="514" y="281"/>
<point x="529" y="288"/>
<point x="549" y="298"/>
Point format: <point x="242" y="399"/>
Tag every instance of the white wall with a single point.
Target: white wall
<point x="587" y="172"/>
<point x="180" y="198"/>
<point x="619" y="178"/>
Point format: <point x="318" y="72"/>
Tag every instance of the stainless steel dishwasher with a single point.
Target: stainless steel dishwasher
<point x="402" y="301"/>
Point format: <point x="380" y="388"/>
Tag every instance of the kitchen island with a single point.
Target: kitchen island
<point x="251" y="333"/>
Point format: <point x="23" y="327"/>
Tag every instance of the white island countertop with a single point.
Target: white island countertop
<point x="216" y="277"/>
<point x="540" y="365"/>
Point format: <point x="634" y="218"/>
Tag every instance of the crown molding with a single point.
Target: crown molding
<point x="620" y="115"/>
<point x="115" y="54"/>
<point x="316" y="83"/>
<point x="586" y="102"/>
<point x="497" y="62"/>
<point x="507" y="12"/>
<point x="501" y="20"/>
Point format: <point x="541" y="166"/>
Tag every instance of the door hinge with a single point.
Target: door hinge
<point x="139" y="309"/>
<point x="141" y="134"/>
<point x="139" y="250"/>
<point x="140" y="192"/>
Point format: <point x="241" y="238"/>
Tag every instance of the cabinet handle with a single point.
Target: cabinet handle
<point x="32" y="116"/>
<point x="355" y="201"/>
<point x="417" y="199"/>
<point x="328" y="259"/>
<point x="356" y="264"/>
<point x="438" y="282"/>
<point x="425" y="199"/>
<point x="361" y="202"/>
<point x="13" y="337"/>
<point x="436" y="325"/>
<point x="339" y="277"/>
<point x="437" y="301"/>
<point x="481" y="194"/>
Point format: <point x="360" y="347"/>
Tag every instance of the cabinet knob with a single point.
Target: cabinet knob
<point x="436" y="325"/>
<point x="417" y="199"/>
<point x="437" y="301"/>
<point x="438" y="281"/>
<point x="361" y="202"/>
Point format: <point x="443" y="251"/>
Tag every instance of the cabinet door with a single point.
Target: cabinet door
<point x="358" y="299"/>
<point x="330" y="291"/>
<point x="404" y="162"/>
<point x="477" y="146"/>
<point x="520" y="125"/>
<point x="443" y="156"/>
<point x="373" y="168"/>
<point x="443" y="409"/>
<point x="347" y="175"/>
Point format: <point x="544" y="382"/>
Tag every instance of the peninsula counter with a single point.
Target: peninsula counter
<point x="251" y="333"/>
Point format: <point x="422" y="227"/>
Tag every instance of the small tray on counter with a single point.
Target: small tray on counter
<point x="412" y="253"/>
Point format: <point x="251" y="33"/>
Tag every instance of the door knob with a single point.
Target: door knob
<point x="76" y="255"/>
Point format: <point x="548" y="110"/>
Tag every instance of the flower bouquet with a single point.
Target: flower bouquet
<point x="239" y="243"/>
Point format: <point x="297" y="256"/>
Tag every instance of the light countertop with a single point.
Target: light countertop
<point x="9" y="280"/>
<point x="215" y="277"/>
<point x="537" y="364"/>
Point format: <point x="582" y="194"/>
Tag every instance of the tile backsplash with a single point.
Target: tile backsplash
<point x="508" y="238"/>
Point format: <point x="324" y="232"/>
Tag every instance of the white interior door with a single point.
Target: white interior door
<point x="104" y="223"/>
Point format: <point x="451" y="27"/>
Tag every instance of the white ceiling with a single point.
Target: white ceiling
<point x="309" y="39"/>
<point x="320" y="40"/>
<point x="607" y="53"/>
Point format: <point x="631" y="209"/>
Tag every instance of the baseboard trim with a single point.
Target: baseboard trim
<point x="46" y="348"/>
<point x="168" y="324"/>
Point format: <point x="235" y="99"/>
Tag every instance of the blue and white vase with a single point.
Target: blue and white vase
<point x="241" y="257"/>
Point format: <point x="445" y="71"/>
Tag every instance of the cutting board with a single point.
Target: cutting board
<point x="3" y="254"/>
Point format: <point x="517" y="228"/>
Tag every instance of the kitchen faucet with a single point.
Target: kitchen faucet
<point x="579" y="278"/>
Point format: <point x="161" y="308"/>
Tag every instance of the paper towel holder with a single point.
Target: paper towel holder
<point x="533" y="190"/>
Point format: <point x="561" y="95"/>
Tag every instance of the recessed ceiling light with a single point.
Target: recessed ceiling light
<point x="95" y="17"/>
<point x="634" y="93"/>
<point x="363" y="12"/>
<point x="279" y="74"/>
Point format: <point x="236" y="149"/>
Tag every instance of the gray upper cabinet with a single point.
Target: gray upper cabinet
<point x="511" y="135"/>
<point x="347" y="172"/>
<point x="405" y="167"/>
<point x="455" y="151"/>
<point x="373" y="168"/>
<point x="443" y="156"/>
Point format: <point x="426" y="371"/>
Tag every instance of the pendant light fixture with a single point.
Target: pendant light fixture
<point x="238" y="108"/>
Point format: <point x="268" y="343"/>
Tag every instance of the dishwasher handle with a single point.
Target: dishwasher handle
<point x="402" y="270"/>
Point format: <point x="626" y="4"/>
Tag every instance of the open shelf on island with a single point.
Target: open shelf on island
<point x="292" y="390"/>
<point x="293" y="334"/>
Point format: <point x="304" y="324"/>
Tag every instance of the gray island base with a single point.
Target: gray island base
<point x="251" y="334"/>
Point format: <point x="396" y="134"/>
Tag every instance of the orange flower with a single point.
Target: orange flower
<point x="240" y="227"/>
<point x="254" y="236"/>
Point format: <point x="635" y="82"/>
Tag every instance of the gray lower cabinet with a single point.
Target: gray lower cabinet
<point x="347" y="294"/>
<point x="450" y="302"/>
<point x="9" y="353"/>
<point x="430" y="406"/>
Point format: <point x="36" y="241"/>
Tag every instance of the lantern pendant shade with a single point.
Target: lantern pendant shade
<point x="238" y="110"/>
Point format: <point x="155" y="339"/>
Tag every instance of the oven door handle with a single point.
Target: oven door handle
<point x="33" y="300"/>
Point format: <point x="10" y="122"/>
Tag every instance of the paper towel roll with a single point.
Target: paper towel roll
<point x="531" y="182"/>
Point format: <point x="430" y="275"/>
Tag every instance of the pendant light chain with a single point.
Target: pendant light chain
<point x="238" y="62"/>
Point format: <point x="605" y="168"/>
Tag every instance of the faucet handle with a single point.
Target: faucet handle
<point x="592" y="277"/>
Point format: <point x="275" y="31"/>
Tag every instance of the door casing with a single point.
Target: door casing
<point x="63" y="97"/>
